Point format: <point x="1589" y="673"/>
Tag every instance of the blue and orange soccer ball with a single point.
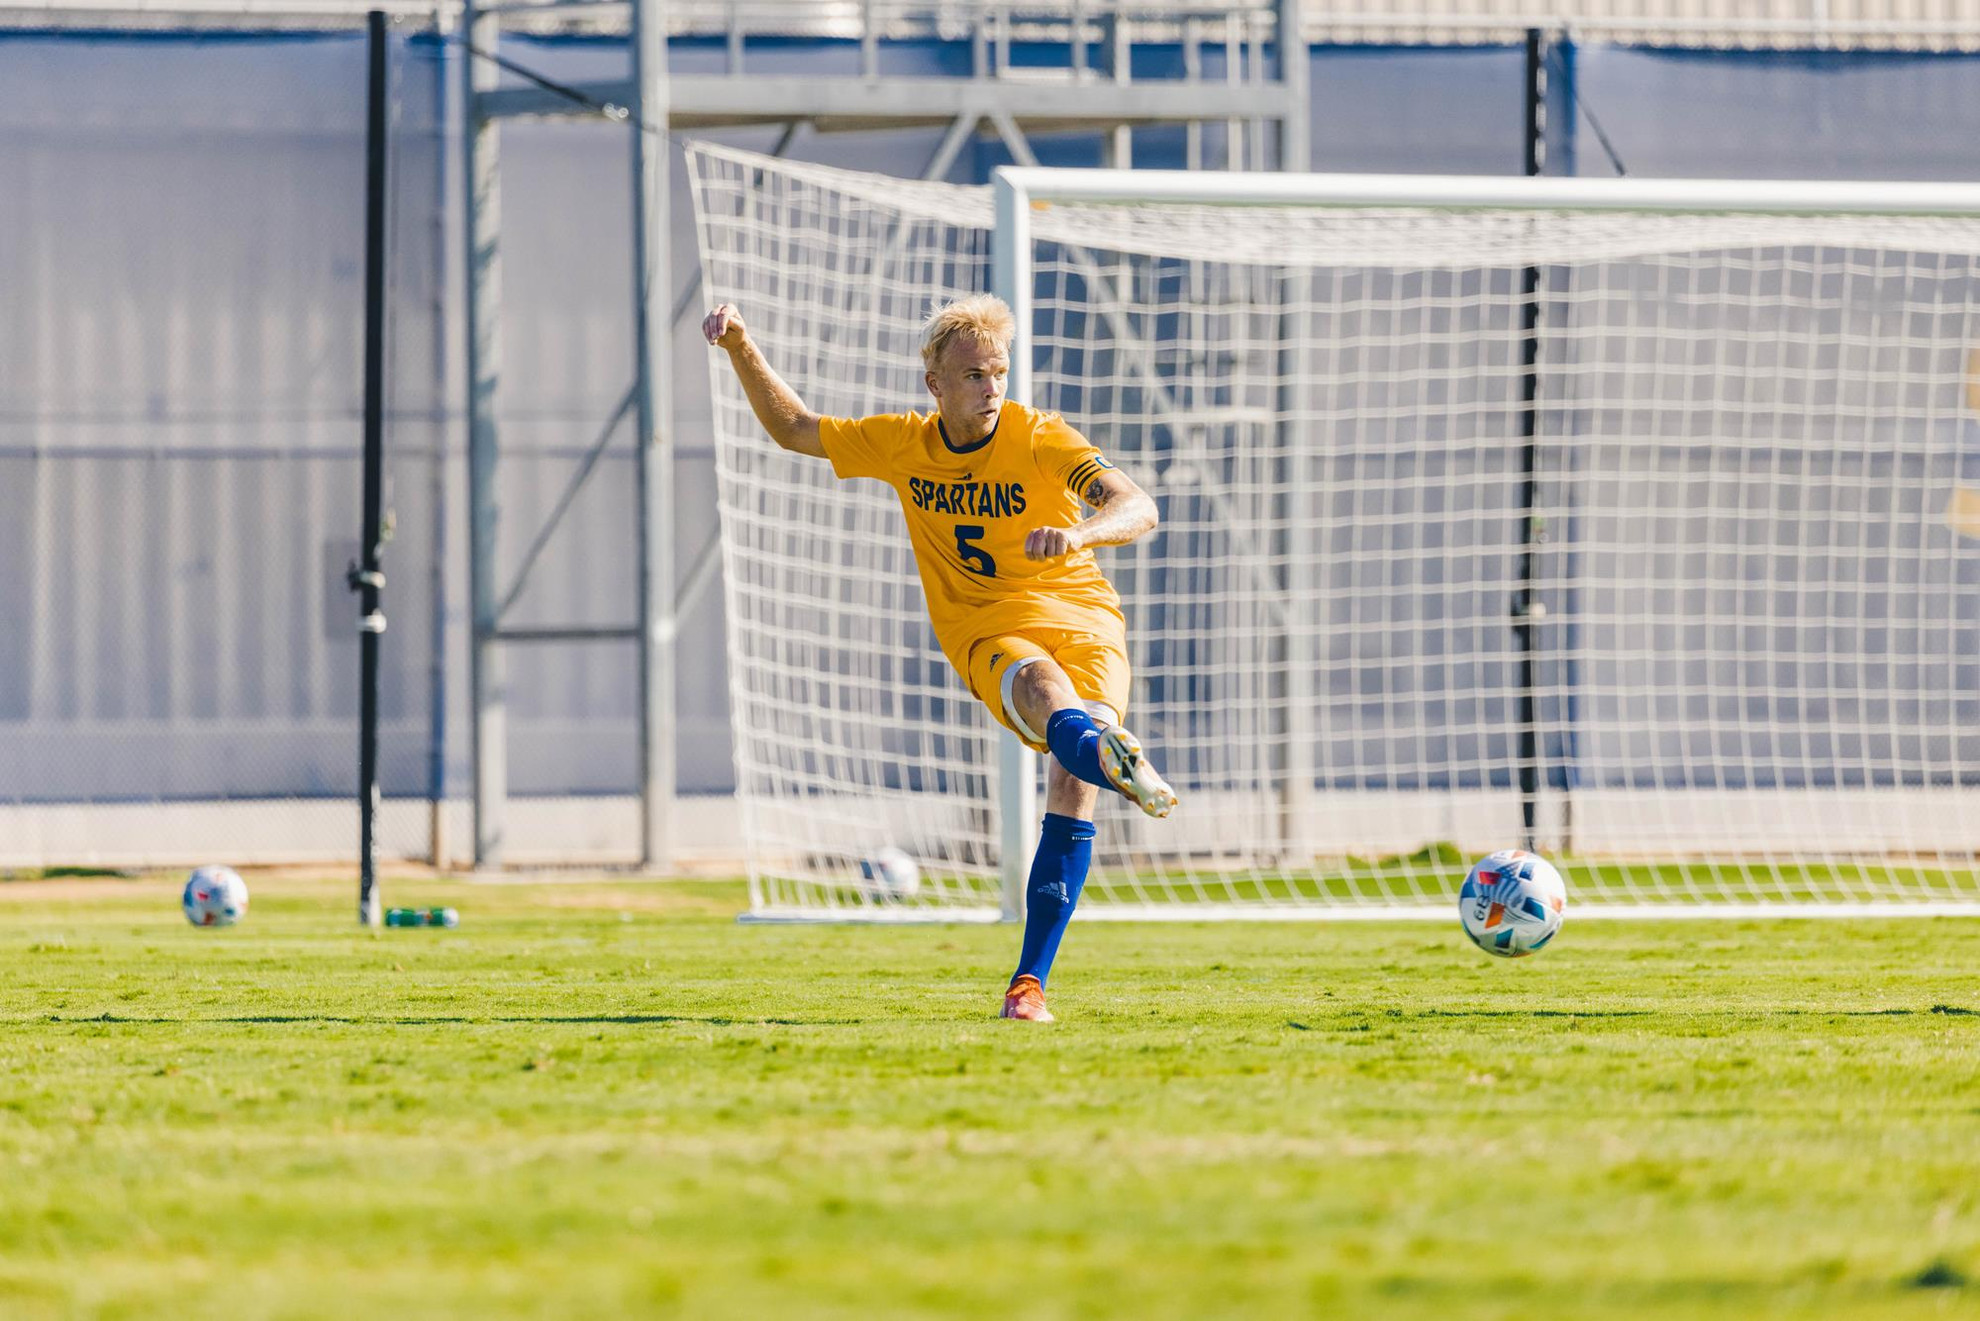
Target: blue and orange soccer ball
<point x="1512" y="903"/>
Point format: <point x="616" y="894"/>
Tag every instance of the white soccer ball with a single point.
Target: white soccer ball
<point x="892" y="874"/>
<point x="1512" y="903"/>
<point x="215" y="897"/>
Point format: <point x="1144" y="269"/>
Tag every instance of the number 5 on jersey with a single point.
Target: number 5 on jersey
<point x="976" y="559"/>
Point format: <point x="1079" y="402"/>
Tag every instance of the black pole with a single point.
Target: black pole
<point x="365" y="577"/>
<point x="1526" y="611"/>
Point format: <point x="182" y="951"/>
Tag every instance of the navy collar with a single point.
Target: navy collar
<point x="968" y="449"/>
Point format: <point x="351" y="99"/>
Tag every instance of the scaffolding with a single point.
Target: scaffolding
<point x="1259" y="95"/>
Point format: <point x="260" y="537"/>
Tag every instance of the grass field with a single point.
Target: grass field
<point x="610" y="1100"/>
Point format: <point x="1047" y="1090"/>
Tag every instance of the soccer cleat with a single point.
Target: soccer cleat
<point x="1026" y="1000"/>
<point x="1127" y="769"/>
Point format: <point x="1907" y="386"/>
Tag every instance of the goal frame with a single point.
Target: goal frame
<point x="1017" y="190"/>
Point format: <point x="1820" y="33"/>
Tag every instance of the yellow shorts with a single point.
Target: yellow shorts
<point x="1096" y="662"/>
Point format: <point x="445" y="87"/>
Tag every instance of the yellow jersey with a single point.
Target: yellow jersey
<point x="969" y="510"/>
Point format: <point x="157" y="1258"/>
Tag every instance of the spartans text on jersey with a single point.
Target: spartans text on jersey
<point x="977" y="499"/>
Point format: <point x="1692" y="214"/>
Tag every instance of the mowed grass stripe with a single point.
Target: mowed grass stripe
<point x="610" y="1100"/>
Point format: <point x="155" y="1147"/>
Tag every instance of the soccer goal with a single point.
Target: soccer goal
<point x="1625" y="520"/>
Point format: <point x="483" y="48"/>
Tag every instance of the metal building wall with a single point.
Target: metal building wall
<point x="179" y="392"/>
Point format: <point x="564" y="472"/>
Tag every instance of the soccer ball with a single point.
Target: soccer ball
<point x="892" y="874"/>
<point x="215" y="897"/>
<point x="1512" y="903"/>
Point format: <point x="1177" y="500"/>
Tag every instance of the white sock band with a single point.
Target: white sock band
<point x="1103" y="715"/>
<point x="1009" y="687"/>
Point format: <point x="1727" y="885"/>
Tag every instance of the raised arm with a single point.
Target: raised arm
<point x="777" y="406"/>
<point x="1122" y="512"/>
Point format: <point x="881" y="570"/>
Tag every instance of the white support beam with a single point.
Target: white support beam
<point x="1019" y="145"/>
<point x="653" y="292"/>
<point x="706" y="100"/>
<point x="1295" y="75"/>
<point x="961" y="129"/>
<point x="483" y="213"/>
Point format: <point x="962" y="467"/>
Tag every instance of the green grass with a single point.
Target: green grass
<point x="609" y="1100"/>
<point x="1431" y="876"/>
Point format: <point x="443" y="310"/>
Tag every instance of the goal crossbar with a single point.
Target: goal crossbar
<point x="1041" y="184"/>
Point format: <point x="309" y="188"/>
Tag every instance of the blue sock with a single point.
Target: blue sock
<point x="1058" y="874"/>
<point x="1075" y="741"/>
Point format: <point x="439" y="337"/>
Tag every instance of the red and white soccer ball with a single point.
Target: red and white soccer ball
<point x="1512" y="903"/>
<point x="215" y="897"/>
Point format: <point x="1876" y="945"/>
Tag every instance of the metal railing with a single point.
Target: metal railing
<point x="1757" y="24"/>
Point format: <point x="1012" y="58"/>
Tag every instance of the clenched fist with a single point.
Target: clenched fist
<point x="1051" y="543"/>
<point x="724" y="327"/>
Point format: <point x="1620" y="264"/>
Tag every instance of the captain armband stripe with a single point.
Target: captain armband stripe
<point x="1086" y="472"/>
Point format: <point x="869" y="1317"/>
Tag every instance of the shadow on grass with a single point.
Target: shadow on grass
<point x="455" y="1019"/>
<point x="1350" y="1019"/>
<point x="1527" y="1013"/>
<point x="1951" y="1011"/>
<point x="1941" y="1274"/>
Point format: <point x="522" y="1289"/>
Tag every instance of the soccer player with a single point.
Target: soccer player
<point x="992" y="491"/>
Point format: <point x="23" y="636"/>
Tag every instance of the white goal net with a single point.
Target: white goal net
<point x="1649" y="539"/>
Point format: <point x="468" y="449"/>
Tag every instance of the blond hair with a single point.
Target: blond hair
<point x="978" y="317"/>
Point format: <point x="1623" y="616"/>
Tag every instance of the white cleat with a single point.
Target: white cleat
<point x="1128" y="770"/>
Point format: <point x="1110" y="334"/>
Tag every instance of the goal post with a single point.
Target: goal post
<point x="1624" y="515"/>
<point x="1017" y="772"/>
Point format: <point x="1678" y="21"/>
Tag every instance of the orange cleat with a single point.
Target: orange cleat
<point x="1026" y="1000"/>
